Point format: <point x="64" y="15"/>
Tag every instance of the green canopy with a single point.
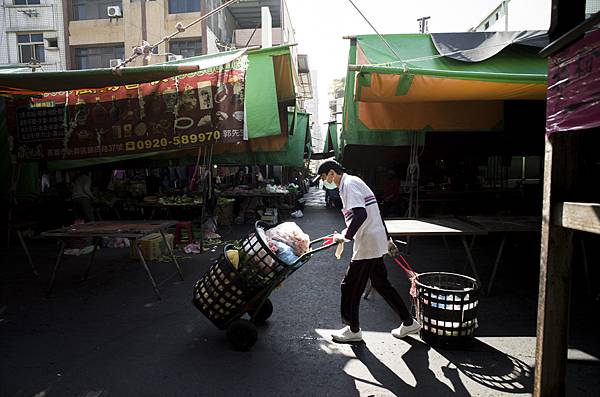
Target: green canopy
<point x="354" y="132"/>
<point x="414" y="87"/>
<point x="419" y="56"/>
<point x="293" y="155"/>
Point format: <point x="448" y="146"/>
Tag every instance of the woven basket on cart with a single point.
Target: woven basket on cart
<point x="259" y="265"/>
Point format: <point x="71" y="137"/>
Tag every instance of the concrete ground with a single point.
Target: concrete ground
<point x="109" y="336"/>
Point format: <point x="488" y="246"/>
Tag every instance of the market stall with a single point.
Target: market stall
<point x="447" y="118"/>
<point x="144" y="121"/>
<point x="146" y="135"/>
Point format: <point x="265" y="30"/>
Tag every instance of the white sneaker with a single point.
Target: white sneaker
<point x="346" y="335"/>
<point x="404" y="330"/>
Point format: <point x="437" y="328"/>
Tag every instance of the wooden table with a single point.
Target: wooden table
<point x="505" y="225"/>
<point x="288" y="196"/>
<point x="18" y="227"/>
<point x="443" y="227"/>
<point x="132" y="230"/>
<point x="160" y="206"/>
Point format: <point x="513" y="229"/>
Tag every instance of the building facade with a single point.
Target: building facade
<point x="104" y="32"/>
<point x="32" y="34"/>
<point x="513" y="15"/>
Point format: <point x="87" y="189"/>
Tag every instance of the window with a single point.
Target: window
<point x="92" y="9"/>
<point x="487" y="24"/>
<point x="180" y="6"/>
<point x="97" y="57"/>
<point x="187" y="48"/>
<point x="25" y="2"/>
<point x="31" y="47"/>
<point x="497" y="16"/>
<point x="52" y="42"/>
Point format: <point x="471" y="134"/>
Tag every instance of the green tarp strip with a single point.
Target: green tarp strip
<point x="260" y="98"/>
<point x="98" y="78"/>
<point x="292" y="155"/>
<point x="331" y="140"/>
<point x="404" y="84"/>
<point x="455" y="74"/>
<point x="272" y="51"/>
<point x="382" y="138"/>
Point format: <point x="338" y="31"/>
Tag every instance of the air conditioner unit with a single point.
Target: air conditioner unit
<point x="115" y="62"/>
<point x="173" y="57"/>
<point x="114" y="11"/>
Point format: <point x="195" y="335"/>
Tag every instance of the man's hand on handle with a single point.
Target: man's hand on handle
<point x="339" y="238"/>
<point x="393" y="250"/>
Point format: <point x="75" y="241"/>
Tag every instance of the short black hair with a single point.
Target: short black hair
<point x="331" y="165"/>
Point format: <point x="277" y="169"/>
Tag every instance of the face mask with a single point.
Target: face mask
<point x="329" y="185"/>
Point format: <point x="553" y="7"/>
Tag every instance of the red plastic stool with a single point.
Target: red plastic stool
<point x="187" y="226"/>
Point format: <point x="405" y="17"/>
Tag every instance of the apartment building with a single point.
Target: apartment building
<point x="513" y="15"/>
<point x="32" y="34"/>
<point x="103" y="32"/>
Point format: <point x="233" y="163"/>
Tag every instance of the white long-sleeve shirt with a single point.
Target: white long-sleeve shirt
<point x="370" y="241"/>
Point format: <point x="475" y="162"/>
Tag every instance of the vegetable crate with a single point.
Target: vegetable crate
<point x="235" y="298"/>
<point x="152" y="246"/>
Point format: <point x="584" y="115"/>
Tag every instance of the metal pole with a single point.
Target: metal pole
<point x="144" y="27"/>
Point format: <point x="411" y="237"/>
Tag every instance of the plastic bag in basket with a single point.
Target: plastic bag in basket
<point x="285" y="253"/>
<point x="290" y="233"/>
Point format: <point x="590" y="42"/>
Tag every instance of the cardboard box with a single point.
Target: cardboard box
<point x="152" y="246"/>
<point x="270" y="216"/>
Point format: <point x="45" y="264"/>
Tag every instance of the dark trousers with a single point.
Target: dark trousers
<point x="84" y="209"/>
<point x="354" y="283"/>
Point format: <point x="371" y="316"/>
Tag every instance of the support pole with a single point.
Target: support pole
<point x="555" y="268"/>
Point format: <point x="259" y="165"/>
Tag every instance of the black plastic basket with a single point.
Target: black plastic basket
<point x="447" y="308"/>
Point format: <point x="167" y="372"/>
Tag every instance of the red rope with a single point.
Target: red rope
<point x="410" y="273"/>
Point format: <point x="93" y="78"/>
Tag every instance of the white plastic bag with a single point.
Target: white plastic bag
<point x="290" y="233"/>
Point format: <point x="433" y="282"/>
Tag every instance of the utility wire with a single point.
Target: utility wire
<point x="146" y="48"/>
<point x="252" y="35"/>
<point x="378" y="34"/>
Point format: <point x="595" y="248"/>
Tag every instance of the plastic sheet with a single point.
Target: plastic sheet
<point x="290" y="233"/>
<point x="574" y="86"/>
<point x="285" y="253"/>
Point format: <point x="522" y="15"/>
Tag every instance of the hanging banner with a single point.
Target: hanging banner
<point x="574" y="86"/>
<point x="181" y="112"/>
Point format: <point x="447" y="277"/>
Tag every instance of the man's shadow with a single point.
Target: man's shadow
<point x="417" y="360"/>
<point x="490" y="367"/>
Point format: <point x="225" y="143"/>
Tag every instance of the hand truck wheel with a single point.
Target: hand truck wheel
<point x="263" y="313"/>
<point x="242" y="334"/>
